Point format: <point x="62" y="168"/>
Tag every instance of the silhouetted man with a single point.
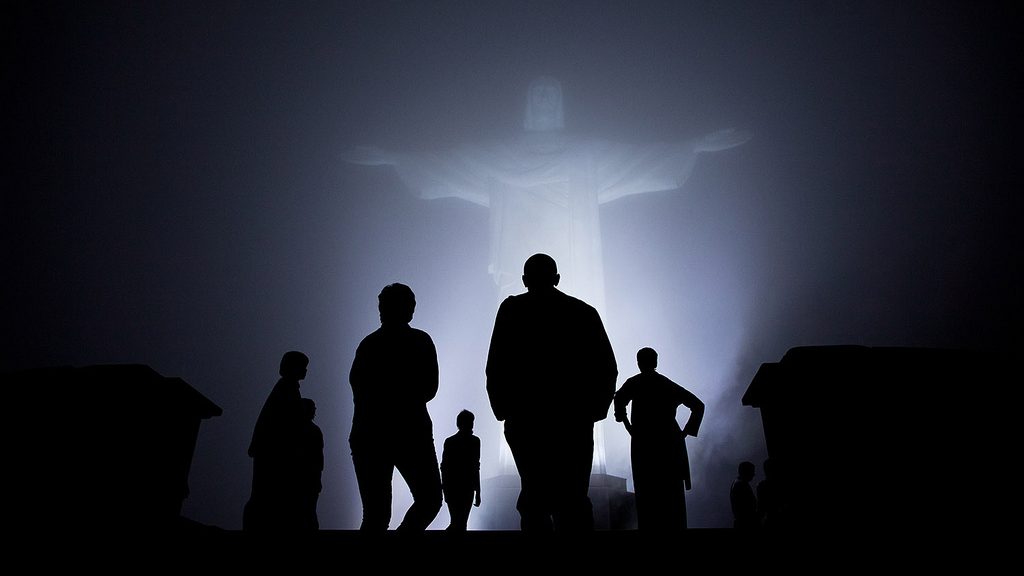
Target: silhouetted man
<point x="742" y="500"/>
<point x="272" y="505"/>
<point x="661" y="466"/>
<point x="460" y="472"/>
<point x="393" y="376"/>
<point x="550" y="375"/>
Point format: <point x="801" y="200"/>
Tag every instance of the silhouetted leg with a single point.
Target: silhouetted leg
<point x="675" y="492"/>
<point x="250" y="516"/>
<point x="459" y="505"/>
<point x="572" y="460"/>
<point x="373" y="474"/>
<point x="530" y="455"/>
<point x="658" y="484"/>
<point x="419" y="468"/>
<point x="650" y="468"/>
<point x="661" y="511"/>
<point x="673" y="453"/>
<point x="311" y="521"/>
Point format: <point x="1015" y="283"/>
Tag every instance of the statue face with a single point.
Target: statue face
<point x="544" y="105"/>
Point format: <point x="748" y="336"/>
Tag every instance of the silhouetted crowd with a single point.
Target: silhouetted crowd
<point x="551" y="375"/>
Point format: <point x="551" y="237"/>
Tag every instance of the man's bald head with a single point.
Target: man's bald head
<point x="539" y="272"/>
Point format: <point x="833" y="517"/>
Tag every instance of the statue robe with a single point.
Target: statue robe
<point x="544" y="191"/>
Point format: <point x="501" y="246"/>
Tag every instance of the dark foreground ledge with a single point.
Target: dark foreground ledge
<point x="212" y="551"/>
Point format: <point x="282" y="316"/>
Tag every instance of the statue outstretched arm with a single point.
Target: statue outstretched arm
<point x="427" y="175"/>
<point x="370" y="156"/>
<point x="625" y="170"/>
<point x="722" y="140"/>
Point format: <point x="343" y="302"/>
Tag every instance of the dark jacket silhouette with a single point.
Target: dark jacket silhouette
<point x="274" y="504"/>
<point x="460" y="471"/>
<point x="393" y="376"/>
<point x="660" y="463"/>
<point x="742" y="499"/>
<point x="550" y="375"/>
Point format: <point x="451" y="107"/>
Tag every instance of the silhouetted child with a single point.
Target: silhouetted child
<point x="460" y="472"/>
<point x="767" y="499"/>
<point x="742" y="500"/>
<point x="661" y="466"/>
<point x="310" y="467"/>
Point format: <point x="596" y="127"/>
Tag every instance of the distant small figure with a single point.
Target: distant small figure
<point x="768" y="501"/>
<point x="393" y="376"/>
<point x="272" y="505"/>
<point x="661" y="465"/>
<point x="742" y="500"/>
<point x="460" y="472"/>
<point x="310" y="451"/>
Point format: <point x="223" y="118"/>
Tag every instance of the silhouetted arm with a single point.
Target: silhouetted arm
<point x="476" y="485"/>
<point x="318" y="455"/>
<point x="500" y="362"/>
<point x="687" y="398"/>
<point x="358" y="374"/>
<point x="430" y="369"/>
<point x="622" y="399"/>
<point x="605" y="369"/>
<point x="445" y="467"/>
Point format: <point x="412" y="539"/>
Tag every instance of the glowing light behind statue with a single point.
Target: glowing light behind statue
<point x="544" y="189"/>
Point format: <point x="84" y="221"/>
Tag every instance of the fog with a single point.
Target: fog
<point x="175" y="195"/>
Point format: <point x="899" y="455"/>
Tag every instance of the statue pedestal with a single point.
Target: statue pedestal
<point x="614" y="506"/>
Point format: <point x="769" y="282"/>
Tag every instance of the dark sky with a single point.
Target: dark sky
<point x="173" y="193"/>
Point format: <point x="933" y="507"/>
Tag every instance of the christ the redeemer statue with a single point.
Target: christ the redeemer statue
<point x="544" y="189"/>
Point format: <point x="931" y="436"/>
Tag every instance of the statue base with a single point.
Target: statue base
<point x="614" y="506"/>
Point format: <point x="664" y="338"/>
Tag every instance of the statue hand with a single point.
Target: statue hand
<point x="369" y="156"/>
<point x="722" y="140"/>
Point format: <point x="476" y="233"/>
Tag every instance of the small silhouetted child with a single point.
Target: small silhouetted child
<point x="767" y="503"/>
<point x="741" y="497"/>
<point x="311" y="466"/>
<point x="460" y="472"/>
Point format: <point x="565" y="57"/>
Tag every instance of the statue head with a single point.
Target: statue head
<point x="544" y="105"/>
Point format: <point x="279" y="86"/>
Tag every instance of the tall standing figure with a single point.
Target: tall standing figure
<point x="661" y="466"/>
<point x="550" y="376"/>
<point x="274" y="504"/>
<point x="393" y="376"/>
